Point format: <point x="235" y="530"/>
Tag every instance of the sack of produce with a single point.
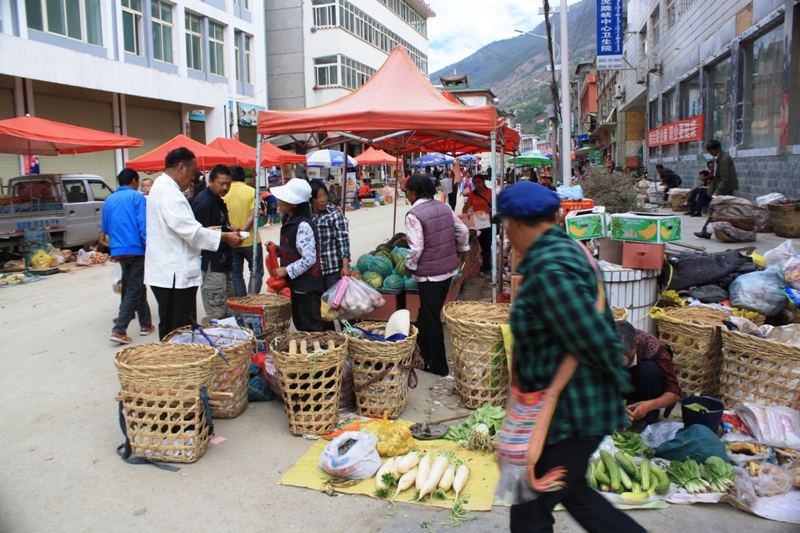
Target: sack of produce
<point x="727" y="232"/>
<point x="393" y="438"/>
<point x="775" y="425"/>
<point x="695" y="442"/>
<point x="41" y="260"/>
<point x="760" y="291"/>
<point x="351" y="455"/>
<point x="350" y="298"/>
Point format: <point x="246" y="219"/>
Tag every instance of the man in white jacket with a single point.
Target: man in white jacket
<point x="174" y="242"/>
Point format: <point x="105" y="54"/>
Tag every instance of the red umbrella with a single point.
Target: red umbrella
<point x="31" y="135"/>
<point x="207" y="158"/>
<point x="271" y="155"/>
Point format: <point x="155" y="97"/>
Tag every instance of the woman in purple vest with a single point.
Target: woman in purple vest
<point x="437" y="241"/>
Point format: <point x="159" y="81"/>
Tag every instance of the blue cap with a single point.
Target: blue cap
<point x="526" y="199"/>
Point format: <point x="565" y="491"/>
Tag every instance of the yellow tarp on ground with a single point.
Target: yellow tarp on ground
<point x="483" y="478"/>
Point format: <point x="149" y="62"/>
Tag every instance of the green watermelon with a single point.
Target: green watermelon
<point x="384" y="246"/>
<point x="400" y="268"/>
<point x="382" y="266"/>
<point x="411" y="284"/>
<point x="384" y="253"/>
<point x="396" y="237"/>
<point x="373" y="279"/>
<point x="393" y="282"/>
<point x="364" y="263"/>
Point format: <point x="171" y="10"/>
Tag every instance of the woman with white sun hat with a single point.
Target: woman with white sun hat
<point x="298" y="251"/>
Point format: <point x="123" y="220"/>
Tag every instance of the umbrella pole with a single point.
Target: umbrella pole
<point x="343" y="200"/>
<point x="494" y="212"/>
<point x="396" y="179"/>
<point x="253" y="266"/>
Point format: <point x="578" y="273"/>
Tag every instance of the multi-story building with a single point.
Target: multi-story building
<point x="150" y="69"/>
<point x="718" y="69"/>
<point x="321" y="50"/>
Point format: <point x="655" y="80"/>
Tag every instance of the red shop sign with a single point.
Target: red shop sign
<point x="691" y="129"/>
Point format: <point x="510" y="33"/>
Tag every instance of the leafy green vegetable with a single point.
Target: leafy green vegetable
<point x="631" y="442"/>
<point x="488" y="414"/>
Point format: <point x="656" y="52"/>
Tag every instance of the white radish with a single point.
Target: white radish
<point x="423" y="470"/>
<point x="437" y="469"/>
<point x="462" y="474"/>
<point x="408" y="462"/>
<point x="406" y="481"/>
<point x="447" y="478"/>
<point x="387" y="468"/>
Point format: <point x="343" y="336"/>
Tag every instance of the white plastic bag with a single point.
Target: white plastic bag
<point x="83" y="258"/>
<point x="352" y="298"/>
<point x="760" y="291"/>
<point x="780" y="255"/>
<point x="770" y="198"/>
<point x="116" y="278"/>
<point x="657" y="434"/>
<point x="774" y="425"/>
<point x="351" y="460"/>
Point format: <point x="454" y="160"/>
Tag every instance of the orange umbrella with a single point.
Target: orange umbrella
<point x="375" y="157"/>
<point x="207" y="158"/>
<point x="271" y="155"/>
<point x="31" y="135"/>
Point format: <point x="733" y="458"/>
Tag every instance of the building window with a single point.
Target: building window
<point x="324" y="13"/>
<point x="685" y="5"/>
<point x="237" y="52"/>
<point x="244" y="3"/>
<point x="643" y="45"/>
<point x="672" y="13"/>
<point x="341" y="71"/>
<point x="690" y="107"/>
<point x="216" y="48"/>
<point x="403" y="10"/>
<point x="243" y="65"/>
<point x="655" y="26"/>
<point x="161" y="19"/>
<point x="326" y="71"/>
<point x="764" y="65"/>
<point x="248" y="69"/>
<point x="719" y="102"/>
<point x="132" y="25"/>
<point x="76" y="19"/>
<point x="194" y="40"/>
<point x="354" y="74"/>
<point x="669" y="116"/>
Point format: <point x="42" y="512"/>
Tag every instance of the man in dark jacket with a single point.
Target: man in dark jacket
<point x="669" y="179"/>
<point x="725" y="182"/>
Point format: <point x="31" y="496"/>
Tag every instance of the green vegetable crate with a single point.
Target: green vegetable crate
<point x="587" y="224"/>
<point x="645" y="227"/>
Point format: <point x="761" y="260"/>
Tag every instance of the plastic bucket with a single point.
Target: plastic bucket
<point x="710" y="419"/>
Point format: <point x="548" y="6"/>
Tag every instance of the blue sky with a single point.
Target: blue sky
<point x="463" y="26"/>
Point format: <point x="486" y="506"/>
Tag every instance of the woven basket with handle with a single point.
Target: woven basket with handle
<point x="309" y="367"/>
<point x="238" y="345"/>
<point x="785" y="218"/>
<point x="268" y="314"/>
<point x="160" y="388"/>
<point x="480" y="365"/>
<point x="383" y="371"/>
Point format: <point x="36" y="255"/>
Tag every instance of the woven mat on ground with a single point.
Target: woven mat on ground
<point x="483" y="478"/>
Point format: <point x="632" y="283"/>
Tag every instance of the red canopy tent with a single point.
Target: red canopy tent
<point x="37" y="136"/>
<point x="271" y="155"/>
<point x="375" y="157"/>
<point x="153" y="161"/>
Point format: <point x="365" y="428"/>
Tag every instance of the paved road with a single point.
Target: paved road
<point x="59" y="470"/>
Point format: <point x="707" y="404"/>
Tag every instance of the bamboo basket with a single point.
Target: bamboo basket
<point x="264" y="314"/>
<point x="162" y="393"/>
<point x="238" y="345"/>
<point x="696" y="345"/>
<point x="383" y="371"/>
<point x="760" y="371"/>
<point x="310" y="382"/>
<point x="620" y="313"/>
<point x="743" y="223"/>
<point x="785" y="219"/>
<point x="480" y="365"/>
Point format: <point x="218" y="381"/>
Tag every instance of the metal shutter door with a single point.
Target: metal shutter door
<point x="92" y="114"/>
<point x="153" y="126"/>
<point x="9" y="164"/>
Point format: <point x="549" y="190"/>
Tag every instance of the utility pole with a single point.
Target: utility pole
<point x="566" y="110"/>
<point x="553" y="83"/>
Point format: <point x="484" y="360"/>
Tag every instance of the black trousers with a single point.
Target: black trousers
<point x="306" y="313"/>
<point x="429" y="322"/>
<point x="452" y="198"/>
<point x="586" y="505"/>
<point x="134" y="295"/>
<point x="485" y="240"/>
<point x="648" y="378"/>
<point x="175" y="306"/>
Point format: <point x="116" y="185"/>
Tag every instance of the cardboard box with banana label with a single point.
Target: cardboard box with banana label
<point x="646" y="227"/>
<point x="587" y="223"/>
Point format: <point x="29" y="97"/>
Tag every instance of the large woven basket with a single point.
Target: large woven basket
<point x="480" y="365"/>
<point x="744" y="223"/>
<point x="238" y="345"/>
<point x="311" y="382"/>
<point x="696" y="344"/>
<point x="759" y="371"/>
<point x="382" y="371"/>
<point x="161" y="383"/>
<point x="785" y="219"/>
<point x="264" y="314"/>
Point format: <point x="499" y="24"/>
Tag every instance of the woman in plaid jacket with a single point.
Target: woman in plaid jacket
<point x="334" y="236"/>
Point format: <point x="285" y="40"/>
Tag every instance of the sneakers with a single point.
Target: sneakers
<point x="120" y="339"/>
<point x="145" y="331"/>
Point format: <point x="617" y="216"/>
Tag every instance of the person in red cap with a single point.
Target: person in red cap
<point x="565" y="340"/>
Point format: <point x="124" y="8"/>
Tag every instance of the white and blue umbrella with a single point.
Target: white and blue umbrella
<point x="328" y="159"/>
<point x="432" y="160"/>
<point x="545" y="153"/>
<point x="468" y="158"/>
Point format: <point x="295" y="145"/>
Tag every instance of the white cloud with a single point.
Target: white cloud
<point x="461" y="27"/>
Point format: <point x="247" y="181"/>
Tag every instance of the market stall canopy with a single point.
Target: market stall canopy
<point x="432" y="160"/>
<point x="328" y="159"/>
<point x="534" y="158"/>
<point x="271" y="155"/>
<point x="373" y="156"/>
<point x="37" y="136"/>
<point x="398" y="110"/>
<point x="153" y="161"/>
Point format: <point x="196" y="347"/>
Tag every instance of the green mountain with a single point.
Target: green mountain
<point x="508" y="67"/>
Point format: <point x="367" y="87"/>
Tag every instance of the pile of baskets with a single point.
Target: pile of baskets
<point x="480" y="365"/>
<point x="785" y="217"/>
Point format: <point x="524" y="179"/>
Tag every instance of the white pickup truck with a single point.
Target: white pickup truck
<point x="69" y="207"/>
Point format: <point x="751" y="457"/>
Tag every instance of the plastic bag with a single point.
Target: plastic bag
<point x="774" y="425"/>
<point x="41" y="260"/>
<point x="393" y="438"/>
<point x="573" y="193"/>
<point x="791" y="272"/>
<point x="727" y="232"/>
<point x="351" y="455"/>
<point x="760" y="291"/>
<point x="743" y="487"/>
<point x="657" y="434"/>
<point x="709" y="294"/>
<point x="770" y="198"/>
<point x="780" y="255"/>
<point x="258" y="389"/>
<point x="769" y="479"/>
<point x="351" y="298"/>
<point x="83" y="258"/>
<point x="695" y="442"/>
<point x="116" y="278"/>
<point x="271" y="263"/>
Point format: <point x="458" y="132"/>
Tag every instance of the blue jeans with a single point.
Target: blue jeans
<point x="134" y="295"/>
<point x="239" y="257"/>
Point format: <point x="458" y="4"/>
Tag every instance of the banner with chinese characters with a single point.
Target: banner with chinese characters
<point x="688" y="130"/>
<point x="610" y="35"/>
